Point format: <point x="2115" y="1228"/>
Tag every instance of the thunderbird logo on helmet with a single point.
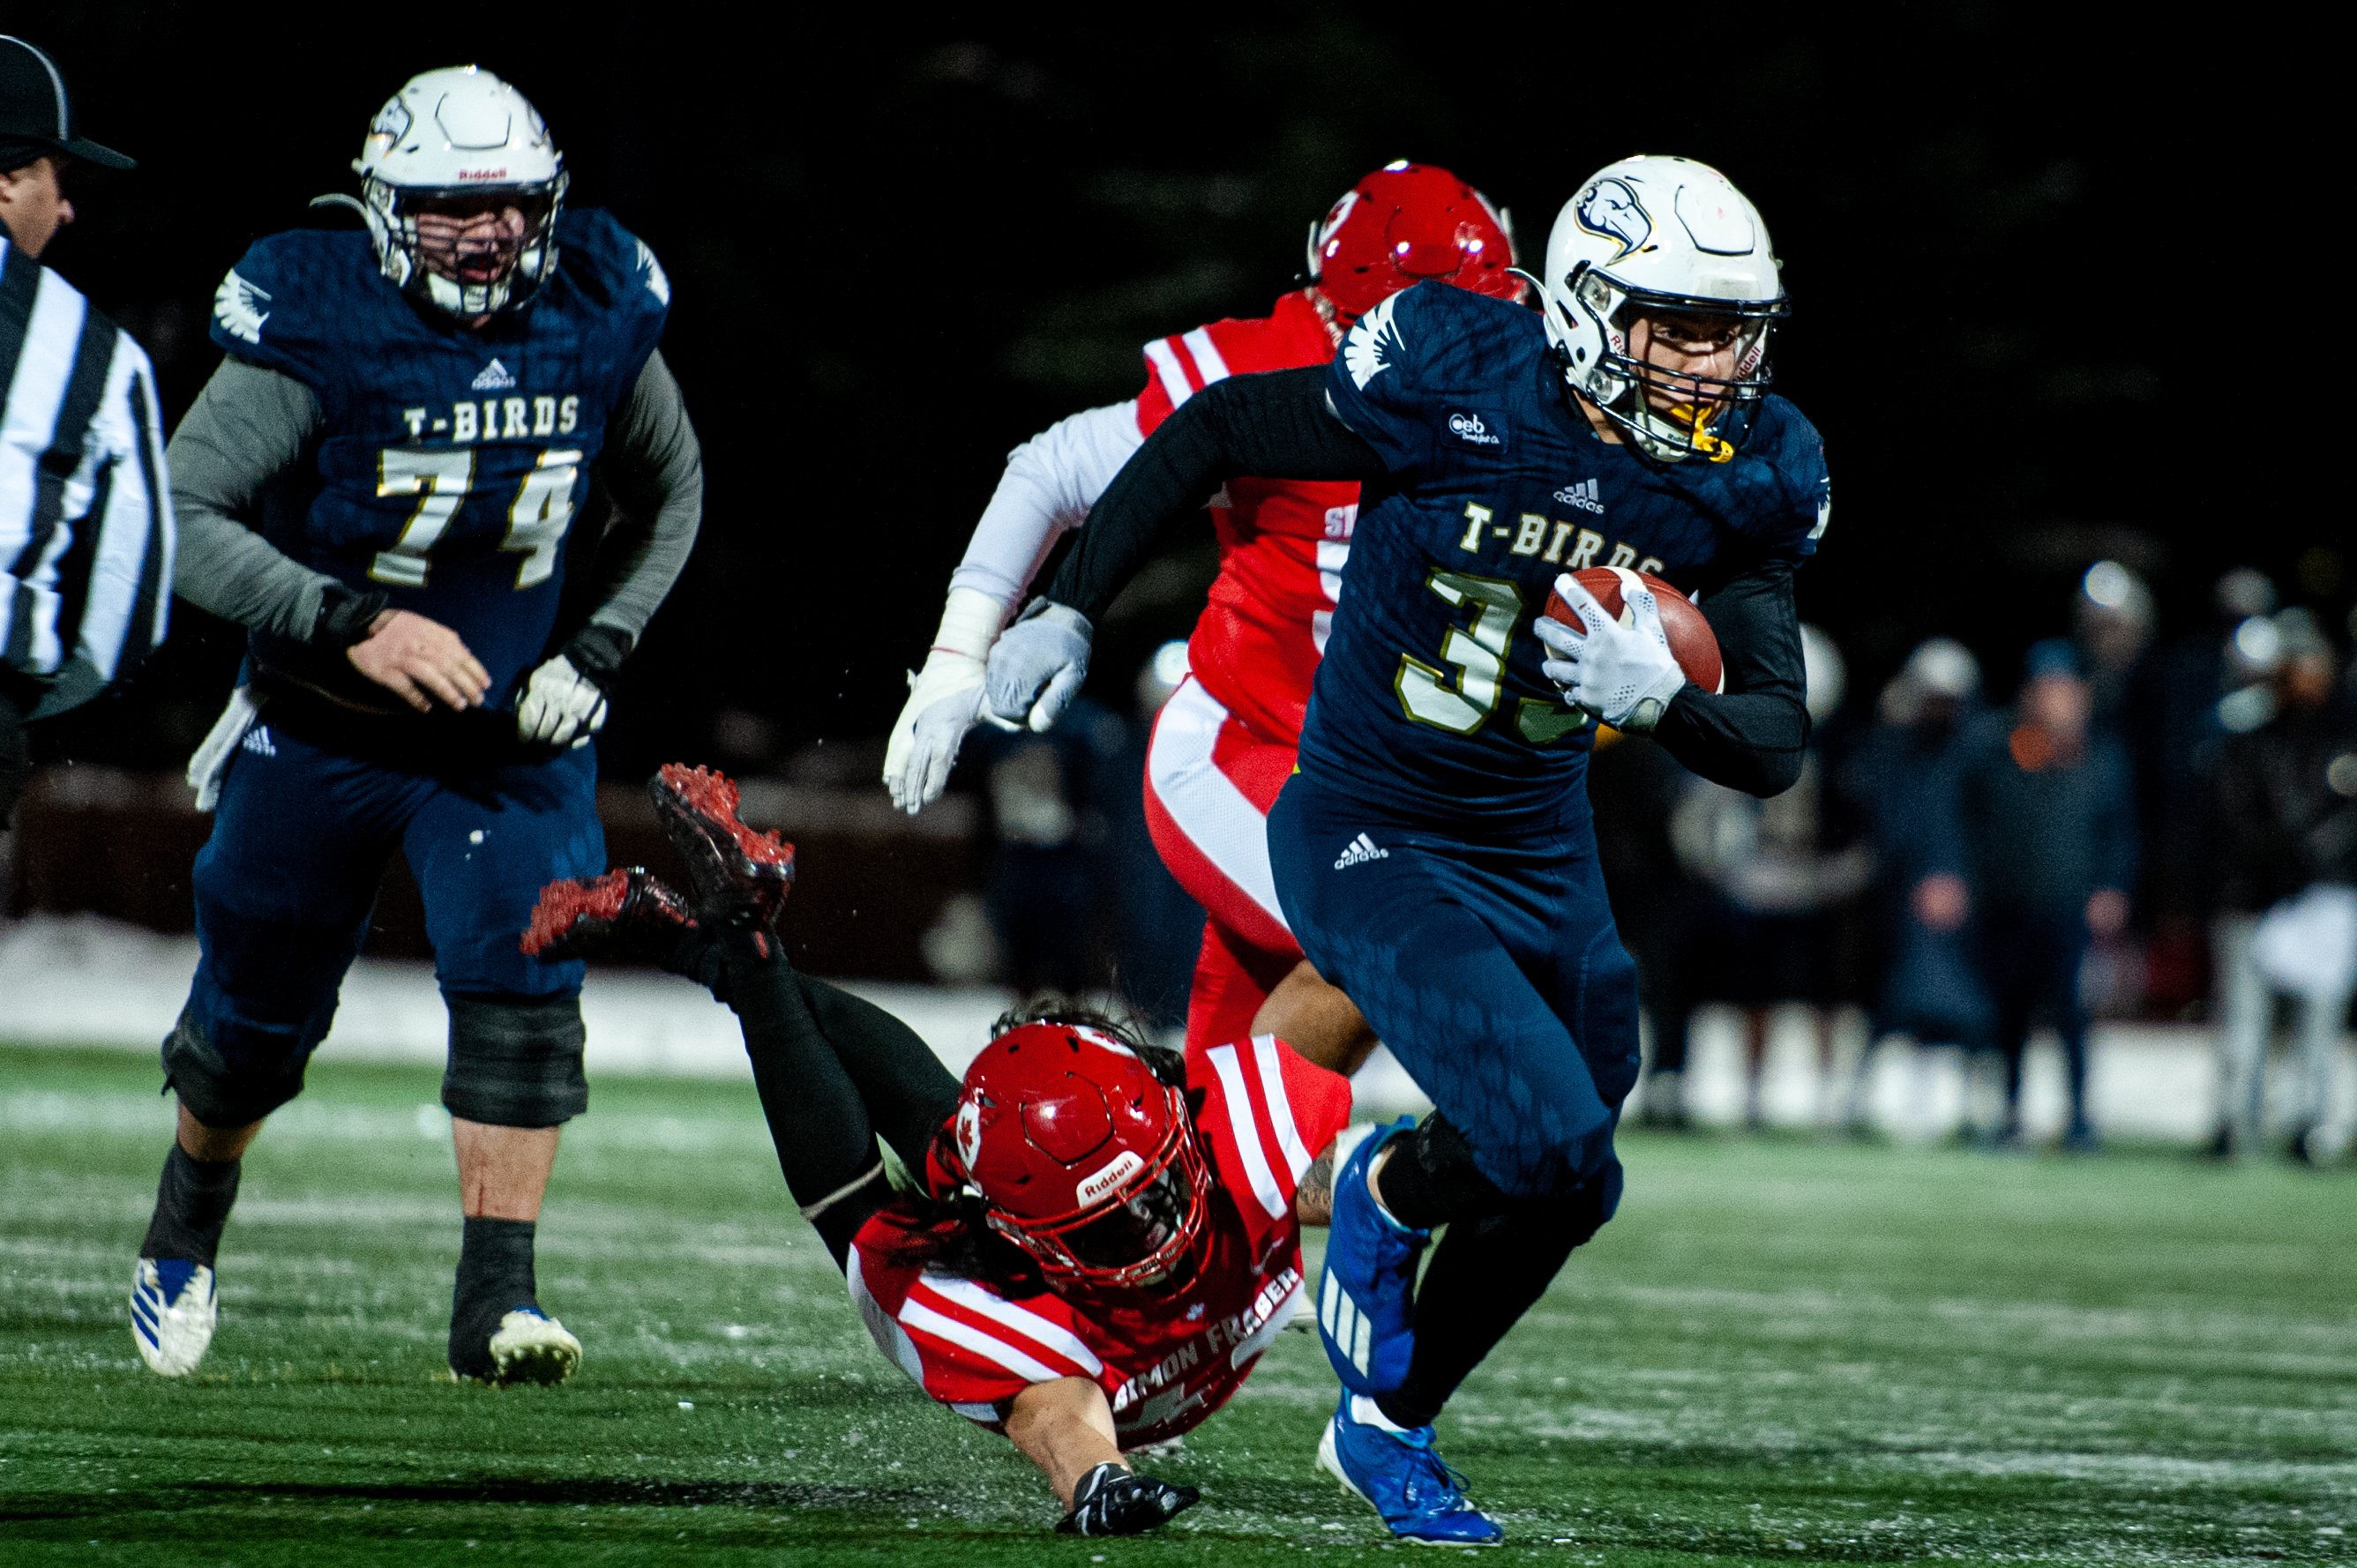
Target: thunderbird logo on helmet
<point x="1610" y="207"/>
<point x="391" y="124"/>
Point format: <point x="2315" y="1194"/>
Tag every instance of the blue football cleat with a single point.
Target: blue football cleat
<point x="173" y="1312"/>
<point x="1403" y="1475"/>
<point x="1367" y="1301"/>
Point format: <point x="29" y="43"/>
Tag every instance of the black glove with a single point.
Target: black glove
<point x="1110" y="1500"/>
<point x="597" y="652"/>
<point x="346" y="615"/>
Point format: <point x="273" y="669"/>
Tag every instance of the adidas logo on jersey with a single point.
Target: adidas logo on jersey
<point x="1583" y="496"/>
<point x="1360" y="851"/>
<point x="496" y="376"/>
<point x="1469" y="427"/>
<point x="257" y="741"/>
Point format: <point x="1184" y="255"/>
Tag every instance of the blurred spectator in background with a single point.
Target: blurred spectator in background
<point x="1634" y="787"/>
<point x="2112" y="621"/>
<point x="2047" y="840"/>
<point x="2181" y="727"/>
<point x="1782" y="870"/>
<point x="2283" y="836"/>
<point x="1044" y="899"/>
<point x="1901" y="782"/>
<point x="1078" y="899"/>
<point x="1157" y="929"/>
<point x="2111" y="618"/>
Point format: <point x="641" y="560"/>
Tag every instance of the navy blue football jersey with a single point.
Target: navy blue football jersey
<point x="452" y="459"/>
<point x="1429" y="698"/>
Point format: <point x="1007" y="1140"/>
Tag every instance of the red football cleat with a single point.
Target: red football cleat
<point x="737" y="871"/>
<point x="626" y="914"/>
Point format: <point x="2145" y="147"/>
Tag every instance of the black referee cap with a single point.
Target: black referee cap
<point x="35" y="116"/>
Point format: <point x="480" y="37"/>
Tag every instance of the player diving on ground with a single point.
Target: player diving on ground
<point x="1434" y="853"/>
<point x="1099" y="1240"/>
<point x="379" y="483"/>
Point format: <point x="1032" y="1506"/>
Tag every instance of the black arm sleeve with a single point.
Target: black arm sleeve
<point x="1277" y="426"/>
<point x="1751" y="737"/>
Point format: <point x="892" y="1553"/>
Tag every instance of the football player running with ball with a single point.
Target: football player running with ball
<point x="379" y="483"/>
<point x="1225" y="741"/>
<point x="1435" y="854"/>
<point x="1099" y="1240"/>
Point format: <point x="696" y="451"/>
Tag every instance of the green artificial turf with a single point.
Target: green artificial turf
<point x="1779" y="1351"/>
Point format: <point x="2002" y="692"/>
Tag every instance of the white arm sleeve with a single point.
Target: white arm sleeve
<point x="1050" y="482"/>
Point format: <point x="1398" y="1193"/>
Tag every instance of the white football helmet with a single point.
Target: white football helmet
<point x="458" y="135"/>
<point x="1662" y="235"/>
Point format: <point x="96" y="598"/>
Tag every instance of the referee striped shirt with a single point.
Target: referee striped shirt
<point x="86" y="533"/>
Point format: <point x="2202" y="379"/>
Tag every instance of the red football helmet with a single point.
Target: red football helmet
<point x="1402" y="224"/>
<point x="1086" y="1160"/>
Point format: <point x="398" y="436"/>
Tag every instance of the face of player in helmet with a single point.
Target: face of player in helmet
<point x="1138" y="1227"/>
<point x="1691" y="357"/>
<point x="474" y="239"/>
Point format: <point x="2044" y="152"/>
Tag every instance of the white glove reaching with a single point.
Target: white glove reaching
<point x="1037" y="668"/>
<point x="944" y="699"/>
<point x="1624" y="675"/>
<point x="560" y="706"/>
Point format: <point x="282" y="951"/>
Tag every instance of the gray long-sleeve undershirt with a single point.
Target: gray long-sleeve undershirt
<point x="250" y="424"/>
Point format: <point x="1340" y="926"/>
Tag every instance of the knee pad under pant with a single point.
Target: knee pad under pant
<point x="1451" y="1183"/>
<point x="235" y="1088"/>
<point x="1445" y="1183"/>
<point x="515" y="1061"/>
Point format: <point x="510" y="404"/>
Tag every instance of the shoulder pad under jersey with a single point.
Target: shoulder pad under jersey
<point x="610" y="264"/>
<point x="1419" y="348"/>
<point x="294" y="297"/>
<point x="1782" y="491"/>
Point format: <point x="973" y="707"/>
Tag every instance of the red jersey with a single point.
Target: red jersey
<point x="1282" y="541"/>
<point x="1166" y="1359"/>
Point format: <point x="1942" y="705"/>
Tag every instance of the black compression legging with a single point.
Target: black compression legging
<point x="834" y="1073"/>
<point x="1492" y="1263"/>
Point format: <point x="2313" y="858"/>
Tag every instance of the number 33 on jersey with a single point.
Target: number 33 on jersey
<point x="449" y="461"/>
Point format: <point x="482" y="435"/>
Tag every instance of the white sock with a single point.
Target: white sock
<point x="1367" y="1412"/>
<point x="1375" y="1168"/>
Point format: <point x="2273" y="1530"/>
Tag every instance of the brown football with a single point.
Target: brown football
<point x="1691" y="643"/>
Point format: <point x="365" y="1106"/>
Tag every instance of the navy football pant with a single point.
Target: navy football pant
<point x="1493" y="972"/>
<point x="285" y="884"/>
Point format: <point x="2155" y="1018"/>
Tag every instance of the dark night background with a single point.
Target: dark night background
<point x="900" y="245"/>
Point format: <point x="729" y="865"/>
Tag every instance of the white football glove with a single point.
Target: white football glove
<point x="944" y="699"/>
<point x="561" y="706"/>
<point x="1624" y="675"/>
<point x="1035" y="669"/>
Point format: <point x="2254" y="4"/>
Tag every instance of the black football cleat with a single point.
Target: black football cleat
<point x="626" y="914"/>
<point x="741" y="877"/>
